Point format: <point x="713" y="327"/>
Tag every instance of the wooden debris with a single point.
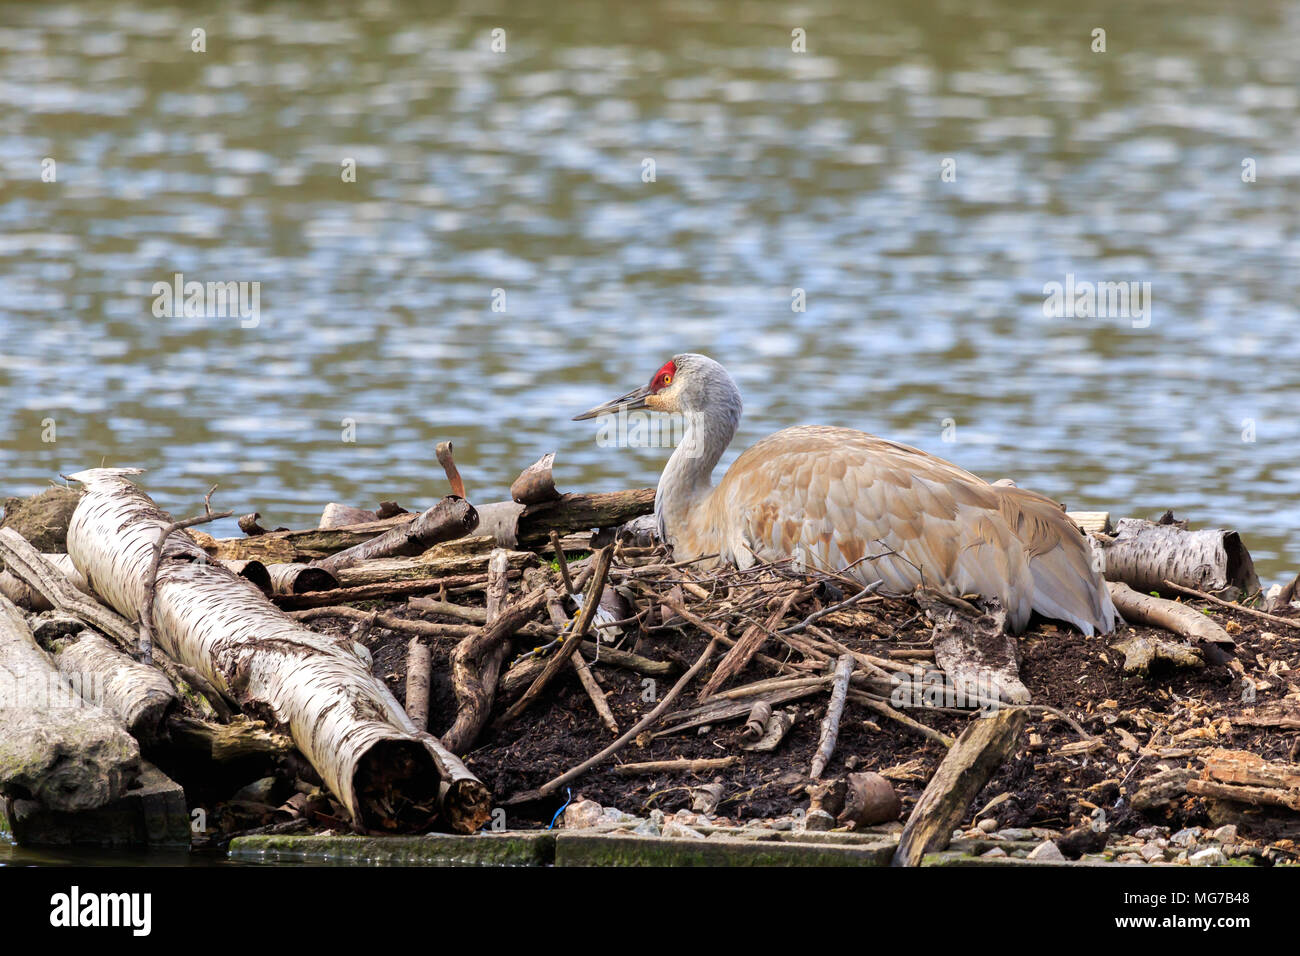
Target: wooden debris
<point x="756" y="723"/>
<point x="834" y="711"/>
<point x="418" y="672"/>
<point x="138" y="695"/>
<point x="571" y="641"/>
<point x="299" y="579"/>
<point x="476" y="662"/>
<point x="452" y="517"/>
<point x="55" y="748"/>
<point x="778" y="725"/>
<point x="1146" y="554"/>
<point x="535" y="483"/>
<point x="1243" y="777"/>
<point x="1140" y="653"/>
<point x="344" y="720"/>
<point x="704" y="765"/>
<point x="971" y="762"/>
<point x="1170" y="615"/>
<point x="869" y="800"/>
<point x="974" y="650"/>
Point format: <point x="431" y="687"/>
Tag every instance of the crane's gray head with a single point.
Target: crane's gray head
<point x="687" y="384"/>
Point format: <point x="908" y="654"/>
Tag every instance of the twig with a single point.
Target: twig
<point x="834" y="711"/>
<point x="561" y="657"/>
<point x="684" y="765"/>
<point x="561" y="561"/>
<point x="870" y="589"/>
<point x="1262" y="615"/>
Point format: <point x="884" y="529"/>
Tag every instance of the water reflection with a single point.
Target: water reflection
<point x="523" y="172"/>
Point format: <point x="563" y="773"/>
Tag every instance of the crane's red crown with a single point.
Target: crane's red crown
<point x="664" y="377"/>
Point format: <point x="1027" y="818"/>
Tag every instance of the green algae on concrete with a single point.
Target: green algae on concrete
<point x="435" y="849"/>
<point x="603" y="849"/>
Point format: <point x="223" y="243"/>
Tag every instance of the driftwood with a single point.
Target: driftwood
<point x="641" y="725"/>
<point x="834" y="711"/>
<point x="138" y="695"/>
<point x="1144" y="555"/>
<point x="387" y="570"/>
<point x="971" y="762"/>
<point x="756" y="722"/>
<point x="749" y="644"/>
<point x="1243" y="777"/>
<point x="419" y="668"/>
<point x="55" y="747"/>
<point x="1158" y="612"/>
<point x="476" y="661"/>
<point x="974" y="650"/>
<point x="337" y="515"/>
<point x="26" y="596"/>
<point x="254" y="571"/>
<point x="529" y="527"/>
<point x="387" y="589"/>
<point x="560" y="621"/>
<point x="343" y="719"/>
<point x="535" y="483"/>
<point x="289" y="547"/>
<point x="451" y="517"/>
<point x="1243" y="609"/>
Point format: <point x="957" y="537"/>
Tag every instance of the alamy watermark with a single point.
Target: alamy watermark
<point x="214" y="300"/>
<point x="1098" y="300"/>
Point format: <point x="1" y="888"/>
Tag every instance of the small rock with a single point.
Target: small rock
<point x="988" y="824"/>
<point x="582" y="814"/>
<point x="782" y="823"/>
<point x="1210" y="856"/>
<point x="1128" y="858"/>
<point x="818" y="821"/>
<point x="674" y="829"/>
<point x="1150" y="852"/>
<point x="994" y="853"/>
<point x="1015" y="833"/>
<point x="648" y="828"/>
<point x="1151" y="833"/>
<point x="1186" y="837"/>
<point x="1225" y="834"/>
<point x="1047" y="850"/>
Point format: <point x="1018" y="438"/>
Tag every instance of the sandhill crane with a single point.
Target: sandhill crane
<point x="839" y="499"/>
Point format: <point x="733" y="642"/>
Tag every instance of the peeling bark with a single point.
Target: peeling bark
<point x="343" y="719"/>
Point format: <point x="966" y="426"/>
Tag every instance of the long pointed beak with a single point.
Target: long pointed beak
<point x="632" y="400"/>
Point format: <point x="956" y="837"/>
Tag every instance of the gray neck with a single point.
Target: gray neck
<point x="687" y="478"/>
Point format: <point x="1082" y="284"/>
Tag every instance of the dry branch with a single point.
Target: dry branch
<point x="1158" y="612"/>
<point x="452" y="517"/>
<point x="834" y="711"/>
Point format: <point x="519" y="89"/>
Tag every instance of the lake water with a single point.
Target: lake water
<point x="525" y="171"/>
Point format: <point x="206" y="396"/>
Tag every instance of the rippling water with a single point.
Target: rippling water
<point x="522" y="171"/>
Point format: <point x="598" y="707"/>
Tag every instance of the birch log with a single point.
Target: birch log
<point x="1144" y="554"/>
<point x="343" y="719"/>
<point x="136" y="694"/>
<point x="55" y="748"/>
<point x="24" y="595"/>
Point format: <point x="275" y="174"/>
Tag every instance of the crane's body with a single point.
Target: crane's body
<point x="840" y="499"/>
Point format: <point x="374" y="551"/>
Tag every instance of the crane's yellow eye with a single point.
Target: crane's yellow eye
<point x="668" y="379"/>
